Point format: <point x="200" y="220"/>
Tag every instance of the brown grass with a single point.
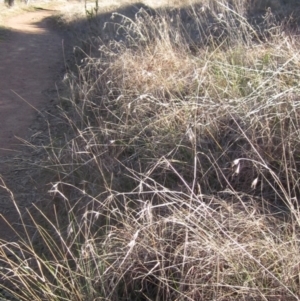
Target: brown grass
<point x="178" y="179"/>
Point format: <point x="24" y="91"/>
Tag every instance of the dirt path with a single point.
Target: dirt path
<point x="31" y="61"/>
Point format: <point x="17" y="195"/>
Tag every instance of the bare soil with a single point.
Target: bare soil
<point x="29" y="60"/>
<point x="31" y="64"/>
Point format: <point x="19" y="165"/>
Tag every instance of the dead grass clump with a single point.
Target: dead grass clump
<point x="179" y="179"/>
<point x="190" y="247"/>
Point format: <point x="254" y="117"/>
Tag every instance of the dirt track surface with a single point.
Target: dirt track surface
<point x="31" y="63"/>
<point x="29" y="60"/>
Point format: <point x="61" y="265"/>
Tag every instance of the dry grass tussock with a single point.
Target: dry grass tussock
<point x="179" y="175"/>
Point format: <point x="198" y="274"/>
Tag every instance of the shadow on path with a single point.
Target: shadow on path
<point x="30" y="58"/>
<point x="31" y="61"/>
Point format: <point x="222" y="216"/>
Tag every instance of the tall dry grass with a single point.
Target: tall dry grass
<point x="178" y="176"/>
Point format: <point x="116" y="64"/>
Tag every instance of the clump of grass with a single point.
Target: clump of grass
<point x="178" y="178"/>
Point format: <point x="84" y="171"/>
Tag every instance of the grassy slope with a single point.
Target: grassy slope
<point x="178" y="179"/>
